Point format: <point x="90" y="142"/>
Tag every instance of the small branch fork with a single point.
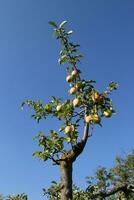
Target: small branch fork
<point x="71" y="155"/>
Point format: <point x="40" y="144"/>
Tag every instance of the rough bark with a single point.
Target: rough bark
<point x="66" y="180"/>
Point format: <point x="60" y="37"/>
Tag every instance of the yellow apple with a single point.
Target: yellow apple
<point x="69" y="129"/>
<point x="72" y="90"/>
<point x="58" y="108"/>
<point x="69" y="78"/>
<point x="96" y="96"/>
<point x="76" y="102"/>
<point x="78" y="85"/>
<point x="74" y="73"/>
<point x="107" y="113"/>
<point x="96" y="118"/>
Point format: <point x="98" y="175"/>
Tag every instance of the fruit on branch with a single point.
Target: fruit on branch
<point x="96" y="118"/>
<point x="69" y="78"/>
<point x="69" y="129"/>
<point x="76" y="102"/>
<point x="107" y="113"/>
<point x="74" y="73"/>
<point x="78" y="85"/>
<point x="72" y="90"/>
<point x="58" y="108"/>
<point x="96" y="97"/>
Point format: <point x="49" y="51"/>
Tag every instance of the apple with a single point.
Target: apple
<point x="72" y="90"/>
<point x="88" y="118"/>
<point x="96" y="96"/>
<point x="107" y="113"/>
<point x="74" y="73"/>
<point x="69" y="129"/>
<point x="96" y="118"/>
<point x="58" y="108"/>
<point x="76" y="102"/>
<point x="78" y="85"/>
<point x="69" y="78"/>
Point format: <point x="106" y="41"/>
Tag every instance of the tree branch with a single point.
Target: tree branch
<point x="123" y="187"/>
<point x="72" y="154"/>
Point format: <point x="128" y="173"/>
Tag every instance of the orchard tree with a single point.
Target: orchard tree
<point x="85" y="103"/>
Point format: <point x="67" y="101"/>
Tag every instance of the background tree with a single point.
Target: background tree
<point x="15" y="197"/>
<point x="1" y="197"/>
<point x="116" y="183"/>
<point x="18" y="197"/>
<point x="88" y="105"/>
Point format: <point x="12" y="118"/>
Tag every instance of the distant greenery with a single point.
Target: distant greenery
<point x="116" y="183"/>
<point x="15" y="197"/>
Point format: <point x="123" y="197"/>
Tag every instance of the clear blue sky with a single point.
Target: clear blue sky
<point x="29" y="69"/>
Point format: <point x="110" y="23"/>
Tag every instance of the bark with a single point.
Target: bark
<point x="66" y="165"/>
<point x="66" y="180"/>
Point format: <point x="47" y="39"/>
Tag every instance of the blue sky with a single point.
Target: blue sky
<point x="29" y="69"/>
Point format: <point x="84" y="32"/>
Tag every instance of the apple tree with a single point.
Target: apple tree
<point x="85" y="104"/>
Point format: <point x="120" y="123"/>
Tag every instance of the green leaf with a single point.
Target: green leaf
<point x="69" y="32"/>
<point x="62" y="60"/>
<point x="113" y="86"/>
<point x="62" y="24"/>
<point x="53" y="24"/>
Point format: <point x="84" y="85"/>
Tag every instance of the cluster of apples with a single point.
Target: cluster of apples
<point x="70" y="78"/>
<point x="75" y="88"/>
<point x="96" y="97"/>
<point x="93" y="118"/>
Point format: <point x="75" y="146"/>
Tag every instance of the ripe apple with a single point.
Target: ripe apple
<point x="96" y="118"/>
<point x="69" y="78"/>
<point x="69" y="129"/>
<point x="74" y="73"/>
<point x="58" y="108"/>
<point x="78" y="85"/>
<point x="88" y="118"/>
<point x="76" y="102"/>
<point x="107" y="113"/>
<point x="96" y="96"/>
<point x="72" y="90"/>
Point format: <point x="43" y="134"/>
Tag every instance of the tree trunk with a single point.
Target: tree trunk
<point x="66" y="180"/>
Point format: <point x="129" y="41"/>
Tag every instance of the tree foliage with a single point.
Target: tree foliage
<point x="116" y="183"/>
<point x="85" y="103"/>
<point x="15" y="197"/>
